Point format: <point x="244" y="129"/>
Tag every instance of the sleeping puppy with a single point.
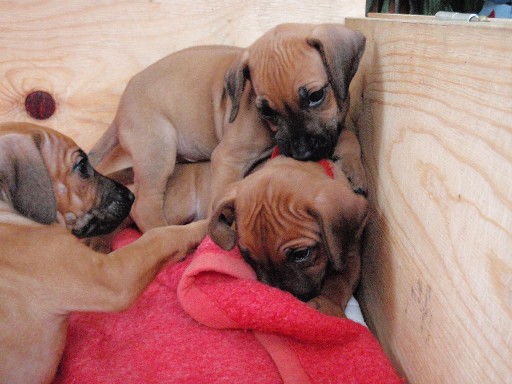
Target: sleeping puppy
<point x="228" y="105"/>
<point x="189" y="185"/>
<point x="47" y="190"/>
<point x="298" y="227"/>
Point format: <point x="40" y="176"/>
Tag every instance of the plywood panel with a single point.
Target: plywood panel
<point x="433" y="104"/>
<point x="84" y="52"/>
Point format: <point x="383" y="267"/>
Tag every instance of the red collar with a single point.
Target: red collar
<point x="324" y="163"/>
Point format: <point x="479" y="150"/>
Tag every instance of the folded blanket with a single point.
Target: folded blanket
<point x="208" y="320"/>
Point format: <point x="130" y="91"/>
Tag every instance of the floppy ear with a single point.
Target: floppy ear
<point x="25" y="179"/>
<point x="342" y="215"/>
<point x="234" y="81"/>
<point x="220" y="226"/>
<point x="341" y="49"/>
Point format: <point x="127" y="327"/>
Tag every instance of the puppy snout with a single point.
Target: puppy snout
<point x="309" y="147"/>
<point x="112" y="206"/>
<point x="288" y="281"/>
<point x="125" y="198"/>
<point x="118" y="202"/>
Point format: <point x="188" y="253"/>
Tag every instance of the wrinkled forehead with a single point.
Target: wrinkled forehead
<point x="256" y="229"/>
<point x="58" y="151"/>
<point x="269" y="213"/>
<point x="282" y="64"/>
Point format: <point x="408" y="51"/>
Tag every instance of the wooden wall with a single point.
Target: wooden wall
<point x="84" y="52"/>
<point x="433" y="103"/>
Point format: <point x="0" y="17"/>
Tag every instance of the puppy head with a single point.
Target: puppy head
<point x="45" y="176"/>
<point x="300" y="74"/>
<point x="292" y="230"/>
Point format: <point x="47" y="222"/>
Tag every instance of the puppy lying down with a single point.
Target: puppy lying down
<point x="128" y="235"/>
<point x="49" y="196"/>
<point x="298" y="224"/>
<point x="208" y="320"/>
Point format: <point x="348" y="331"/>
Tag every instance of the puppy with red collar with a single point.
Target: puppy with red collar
<point x="227" y="105"/>
<point x="299" y="225"/>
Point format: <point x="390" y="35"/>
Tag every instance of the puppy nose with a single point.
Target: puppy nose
<point x="120" y="192"/>
<point x="302" y="155"/>
<point x="313" y="148"/>
<point x="127" y="198"/>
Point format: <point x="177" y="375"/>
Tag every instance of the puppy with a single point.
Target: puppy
<point x="47" y="189"/>
<point x="187" y="192"/>
<point x="298" y="228"/>
<point x="226" y="104"/>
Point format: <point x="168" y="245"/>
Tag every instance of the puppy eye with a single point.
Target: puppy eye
<point x="299" y="255"/>
<point x="316" y="98"/>
<point x="82" y="167"/>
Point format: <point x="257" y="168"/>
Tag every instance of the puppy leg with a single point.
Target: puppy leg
<point x="326" y="304"/>
<point x="188" y="193"/>
<point x="56" y="274"/>
<point x="113" y="282"/>
<point x="154" y="158"/>
<point x="339" y="286"/>
<point x="349" y="152"/>
<point x="239" y="148"/>
<point x="335" y="295"/>
<point x="225" y="170"/>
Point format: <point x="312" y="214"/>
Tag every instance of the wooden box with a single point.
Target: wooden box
<point x="433" y="106"/>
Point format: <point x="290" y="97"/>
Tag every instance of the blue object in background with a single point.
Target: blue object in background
<point x="497" y="9"/>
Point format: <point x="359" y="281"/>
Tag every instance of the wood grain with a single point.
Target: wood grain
<point x="433" y="105"/>
<point x="84" y="52"/>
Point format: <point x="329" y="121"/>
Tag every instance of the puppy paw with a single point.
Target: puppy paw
<point x="326" y="306"/>
<point x="175" y="241"/>
<point x="189" y="236"/>
<point x="197" y="231"/>
<point x="356" y="175"/>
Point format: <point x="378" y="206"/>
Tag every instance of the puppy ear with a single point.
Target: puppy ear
<point x="25" y="178"/>
<point x="234" y="81"/>
<point x="342" y="215"/>
<point x="220" y="227"/>
<point x="341" y="49"/>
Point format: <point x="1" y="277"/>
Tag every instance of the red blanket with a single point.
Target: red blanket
<point x="208" y="320"/>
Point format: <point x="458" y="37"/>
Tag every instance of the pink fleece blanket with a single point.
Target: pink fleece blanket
<point x="208" y="320"/>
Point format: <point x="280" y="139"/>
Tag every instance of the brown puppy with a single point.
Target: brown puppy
<point x="226" y="104"/>
<point x="187" y="193"/>
<point x="45" y="177"/>
<point x="298" y="228"/>
<point x="48" y="188"/>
